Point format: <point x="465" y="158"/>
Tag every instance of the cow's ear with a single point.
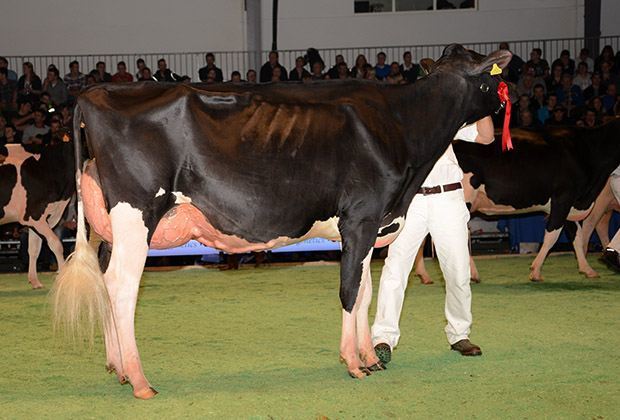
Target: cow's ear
<point x="500" y="57"/>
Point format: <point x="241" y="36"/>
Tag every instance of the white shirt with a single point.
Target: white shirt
<point x="616" y="172"/>
<point x="447" y="169"/>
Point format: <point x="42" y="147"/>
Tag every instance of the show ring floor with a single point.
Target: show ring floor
<point x="263" y="343"/>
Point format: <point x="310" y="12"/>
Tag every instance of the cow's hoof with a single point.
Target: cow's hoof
<point x="146" y="393"/>
<point x="122" y="379"/>
<point x="36" y="286"/>
<point x="424" y="279"/>
<point x="536" y="279"/>
<point x="377" y="367"/>
<point x="359" y="373"/>
<point x="590" y="274"/>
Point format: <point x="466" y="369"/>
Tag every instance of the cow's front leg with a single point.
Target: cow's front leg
<point x="364" y="340"/>
<point x="122" y="279"/>
<point x="549" y="240"/>
<point x="420" y="267"/>
<point x="357" y="241"/>
<point x="582" y="261"/>
<point x="34" y="249"/>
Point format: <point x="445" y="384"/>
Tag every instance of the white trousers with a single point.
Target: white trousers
<point x="615" y="188"/>
<point x="445" y="217"/>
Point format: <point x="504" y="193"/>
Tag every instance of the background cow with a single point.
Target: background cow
<point x="559" y="171"/>
<point x="245" y="168"/>
<point x="34" y="191"/>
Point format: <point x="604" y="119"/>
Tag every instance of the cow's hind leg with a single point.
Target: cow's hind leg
<point x="357" y="240"/>
<point x="575" y="233"/>
<point x="53" y="242"/>
<point x="549" y="240"/>
<point x="364" y="339"/>
<point x="420" y="267"/>
<point x="122" y="279"/>
<point x="34" y="249"/>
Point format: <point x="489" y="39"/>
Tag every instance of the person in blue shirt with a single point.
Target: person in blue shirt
<point x="382" y="70"/>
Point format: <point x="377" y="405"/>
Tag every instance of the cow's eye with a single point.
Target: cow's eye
<point x="484" y="87"/>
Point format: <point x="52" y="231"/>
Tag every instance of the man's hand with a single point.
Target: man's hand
<point x="485" y="130"/>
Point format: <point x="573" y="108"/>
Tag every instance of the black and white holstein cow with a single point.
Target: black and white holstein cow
<point x="559" y="171"/>
<point x="35" y="189"/>
<point x="254" y="167"/>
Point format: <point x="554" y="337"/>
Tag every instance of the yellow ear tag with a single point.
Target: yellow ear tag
<point x="495" y="70"/>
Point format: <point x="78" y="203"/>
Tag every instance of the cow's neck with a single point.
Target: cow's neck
<point x="602" y="147"/>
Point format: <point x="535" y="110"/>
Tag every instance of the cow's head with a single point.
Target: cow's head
<point x="474" y="71"/>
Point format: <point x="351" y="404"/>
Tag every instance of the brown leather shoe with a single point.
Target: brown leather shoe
<point x="466" y="348"/>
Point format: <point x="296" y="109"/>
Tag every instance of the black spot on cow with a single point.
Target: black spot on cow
<point x="8" y="179"/>
<point x="49" y="179"/>
<point x="388" y="229"/>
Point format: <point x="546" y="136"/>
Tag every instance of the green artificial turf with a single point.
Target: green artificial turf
<point x="263" y="343"/>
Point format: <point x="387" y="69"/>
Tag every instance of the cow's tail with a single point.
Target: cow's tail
<point x="80" y="302"/>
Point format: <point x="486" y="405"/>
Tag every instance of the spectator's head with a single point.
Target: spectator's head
<point x="27" y="68"/>
<point x="90" y="80"/>
<point x="4" y="63"/>
<point x="539" y="92"/>
<point x="121" y="67"/>
<point x="371" y="74"/>
<point x="273" y="58"/>
<point x="535" y="54"/>
<point x="584" y="54"/>
<point x="611" y="90"/>
<point x="343" y="70"/>
<point x="559" y="113"/>
<point x="210" y="59"/>
<point x="140" y="64"/>
<point x="25" y="107"/>
<point x="504" y="46"/>
<point x="251" y="76"/>
<point x="597" y="104"/>
<point x="100" y="67"/>
<point x="360" y="61"/>
<point x="55" y="124"/>
<point x="146" y="74"/>
<point x="277" y="73"/>
<point x="552" y="101"/>
<point x="339" y="59"/>
<point x="605" y="68"/>
<point x="596" y="79"/>
<point x="3" y="74"/>
<point x="300" y="62"/>
<point x="527" y="119"/>
<point x="590" y="117"/>
<point x="74" y="67"/>
<point x="565" y="55"/>
<point x="529" y="70"/>
<point x="566" y="80"/>
<point x="161" y="65"/>
<point x="394" y="69"/>
<point x="39" y="117"/>
<point x="607" y="53"/>
<point x="9" y="132"/>
<point x="317" y="68"/>
<point x="524" y="101"/>
<point x="557" y="70"/>
<point x="582" y="68"/>
<point x="407" y="57"/>
<point x="235" y="77"/>
<point x="52" y="74"/>
<point x="45" y="100"/>
<point x="381" y="58"/>
<point x="211" y="76"/>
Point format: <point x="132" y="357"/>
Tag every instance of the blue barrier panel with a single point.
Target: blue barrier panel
<point x="196" y="248"/>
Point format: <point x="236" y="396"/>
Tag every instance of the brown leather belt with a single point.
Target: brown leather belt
<point x="439" y="188"/>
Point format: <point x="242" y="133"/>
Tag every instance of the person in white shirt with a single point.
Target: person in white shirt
<point x="439" y="209"/>
<point x="611" y="255"/>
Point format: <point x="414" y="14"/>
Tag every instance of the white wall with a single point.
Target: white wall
<point x="610" y="17"/>
<point x="54" y="27"/>
<point x="331" y="23"/>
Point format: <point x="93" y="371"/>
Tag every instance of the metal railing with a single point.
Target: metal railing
<point x="188" y="63"/>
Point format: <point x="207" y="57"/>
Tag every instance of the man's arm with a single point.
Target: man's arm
<point x="479" y="132"/>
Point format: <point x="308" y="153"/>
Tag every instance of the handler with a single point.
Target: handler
<point x="611" y="256"/>
<point x="439" y="209"/>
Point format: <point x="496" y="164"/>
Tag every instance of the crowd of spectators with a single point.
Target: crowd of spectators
<point x="580" y="91"/>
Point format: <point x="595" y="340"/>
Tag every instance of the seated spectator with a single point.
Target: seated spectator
<point x="317" y="71"/>
<point x="10" y="135"/>
<point x="554" y="80"/>
<point x="24" y="114"/>
<point x="526" y="83"/>
<point x="361" y="67"/>
<point x="607" y="56"/>
<point x="203" y="72"/>
<point x="251" y="76"/>
<point x="395" y="78"/>
<point x="164" y="74"/>
<point x="140" y="65"/>
<point x="333" y="72"/>
<point x="595" y="88"/>
<point x="544" y="113"/>
<point x="101" y="76"/>
<point x="29" y="85"/>
<point x="266" y="71"/>
<point x="8" y="92"/>
<point x="569" y="94"/>
<point x="56" y="133"/>
<point x="609" y="98"/>
<point x="146" y="75"/>
<point x="382" y="70"/>
<point x="537" y="99"/>
<point x="122" y="75"/>
<point x="343" y="72"/>
<point x="276" y="74"/>
<point x="567" y="63"/>
<point x="74" y="80"/>
<point x="370" y="74"/>
<point x="527" y="119"/>
<point x="582" y="78"/>
<point x="408" y="69"/>
<point x="55" y="87"/>
<point x="589" y="119"/>
<point x="584" y="57"/>
<point x="33" y="133"/>
<point x="235" y="77"/>
<point x="45" y="103"/>
<point x="596" y="104"/>
<point x="66" y="116"/>
<point x="298" y="73"/>
<point x="90" y="80"/>
<point x="558" y="117"/>
<point x="607" y="76"/>
<point x="539" y="64"/>
<point x="4" y="64"/>
<point x="513" y="70"/>
<point x="211" y="76"/>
